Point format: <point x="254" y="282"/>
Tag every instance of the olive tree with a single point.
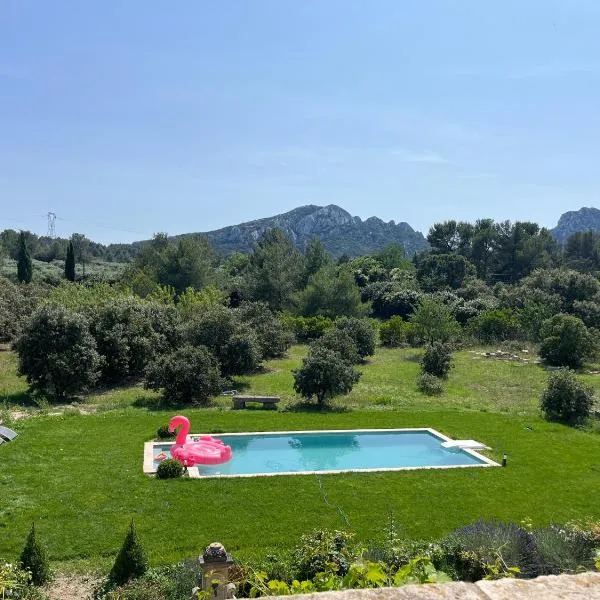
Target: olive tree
<point x="57" y="353"/>
<point x="324" y="374"/>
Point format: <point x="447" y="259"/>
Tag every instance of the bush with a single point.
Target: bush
<point x="566" y="400"/>
<point x="566" y="341"/>
<point x="340" y="342"/>
<point x="429" y="384"/>
<point x="15" y="583"/>
<point x="187" y="375"/>
<point x="241" y="354"/>
<point x="17" y="303"/>
<point x="564" y="549"/>
<point x="394" y="332"/>
<point x="131" y="562"/>
<point x="495" y="326"/>
<point x="163" y="433"/>
<point x="169" y="469"/>
<point x="491" y="540"/>
<point x="323" y="551"/>
<point x="35" y="560"/>
<point x="307" y="329"/>
<point x="57" y="353"/>
<point x="273" y="338"/>
<point x="437" y="360"/>
<point x="433" y="321"/>
<point x="324" y="374"/>
<point x="129" y="333"/>
<point x="362" y="333"/>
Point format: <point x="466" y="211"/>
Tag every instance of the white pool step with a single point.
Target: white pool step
<point x="465" y="444"/>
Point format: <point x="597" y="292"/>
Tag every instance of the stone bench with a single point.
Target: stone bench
<point x="240" y="401"/>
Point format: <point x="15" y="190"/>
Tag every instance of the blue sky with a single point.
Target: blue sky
<point x="127" y="118"/>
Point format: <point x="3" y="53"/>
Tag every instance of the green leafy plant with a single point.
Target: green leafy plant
<point x="163" y="433"/>
<point x="35" y="560"/>
<point x="323" y="551"/>
<point x="565" y="399"/>
<point x="419" y="570"/>
<point x="429" y="384"/>
<point x="169" y="469"/>
<point x="437" y="360"/>
<point x="566" y="341"/>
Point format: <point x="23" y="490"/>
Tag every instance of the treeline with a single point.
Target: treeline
<point x="484" y="283"/>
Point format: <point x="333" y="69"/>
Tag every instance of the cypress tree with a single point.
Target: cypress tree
<point x="70" y="262"/>
<point x="24" y="265"/>
<point x="131" y="561"/>
<point x="34" y="559"/>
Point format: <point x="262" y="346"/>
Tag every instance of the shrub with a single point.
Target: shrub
<point x="565" y="341"/>
<point x="163" y="433"/>
<point x="129" y="333"/>
<point x="433" y="322"/>
<point x="323" y="551"/>
<point x="565" y="399"/>
<point x="494" y="326"/>
<point x="273" y="338"/>
<point x="324" y="374"/>
<point x="131" y="562"/>
<point x="437" y="360"/>
<point x="394" y="332"/>
<point x="491" y="540"/>
<point x="17" y="303"/>
<point x="169" y="469"/>
<point x="187" y="375"/>
<point x="307" y="329"/>
<point x="564" y="549"/>
<point x="34" y="559"/>
<point x="57" y="353"/>
<point x="362" y="333"/>
<point x="241" y="354"/>
<point x="15" y="583"/>
<point x="429" y="384"/>
<point x="340" y="342"/>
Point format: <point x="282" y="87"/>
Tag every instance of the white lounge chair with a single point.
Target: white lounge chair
<point x="6" y="434"/>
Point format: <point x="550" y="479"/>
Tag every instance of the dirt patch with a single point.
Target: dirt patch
<point x="58" y="410"/>
<point x="73" y="587"/>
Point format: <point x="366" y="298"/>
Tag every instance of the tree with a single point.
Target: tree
<point x="35" y="560"/>
<point x="273" y="337"/>
<point x="275" y="270"/>
<point x="442" y="271"/>
<point x="24" y="264"/>
<point x="132" y="561"/>
<point x="130" y="332"/>
<point x="340" y="342"/>
<point x="566" y="341"/>
<point x="330" y="292"/>
<point x="187" y="375"/>
<point x="565" y="399"/>
<point x="361" y="332"/>
<point x="241" y="354"/>
<point x="315" y="258"/>
<point x="324" y="374"/>
<point x="433" y="321"/>
<point x="57" y="353"/>
<point x="437" y="360"/>
<point x="393" y="257"/>
<point x="70" y="263"/>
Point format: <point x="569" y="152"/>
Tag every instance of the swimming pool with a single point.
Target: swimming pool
<point x="304" y="452"/>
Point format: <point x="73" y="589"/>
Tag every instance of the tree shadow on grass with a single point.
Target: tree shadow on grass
<point x="312" y="407"/>
<point x="24" y="399"/>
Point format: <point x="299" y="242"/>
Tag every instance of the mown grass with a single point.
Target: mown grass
<point x="80" y="476"/>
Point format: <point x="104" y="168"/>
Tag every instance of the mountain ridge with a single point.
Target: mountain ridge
<point x="339" y="231"/>
<point x="587" y="218"/>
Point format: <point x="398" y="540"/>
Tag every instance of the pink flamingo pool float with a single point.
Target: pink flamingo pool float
<point x="206" y="451"/>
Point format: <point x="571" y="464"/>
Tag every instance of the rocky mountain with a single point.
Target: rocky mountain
<point x="584" y="219"/>
<point x="338" y="230"/>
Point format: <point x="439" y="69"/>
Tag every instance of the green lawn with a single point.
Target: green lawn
<point x="80" y="476"/>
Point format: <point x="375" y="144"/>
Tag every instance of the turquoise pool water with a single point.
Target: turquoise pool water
<point x="336" y="451"/>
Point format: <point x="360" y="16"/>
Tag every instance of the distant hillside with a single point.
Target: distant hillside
<point x="340" y="232"/>
<point x="584" y="219"/>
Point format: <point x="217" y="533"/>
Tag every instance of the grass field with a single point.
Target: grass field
<point x="80" y="476"/>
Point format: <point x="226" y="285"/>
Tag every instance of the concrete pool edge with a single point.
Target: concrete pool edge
<point x="194" y="472"/>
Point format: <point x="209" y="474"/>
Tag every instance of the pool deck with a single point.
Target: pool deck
<point x="194" y="473"/>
